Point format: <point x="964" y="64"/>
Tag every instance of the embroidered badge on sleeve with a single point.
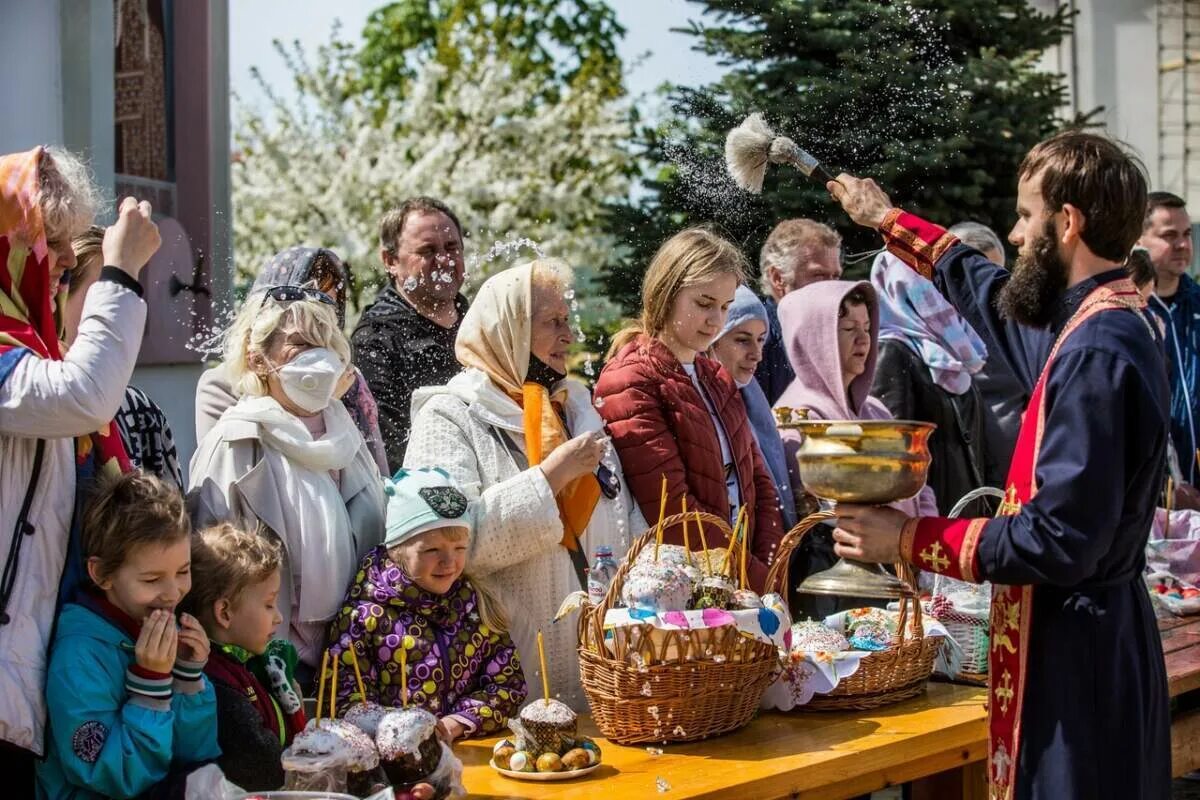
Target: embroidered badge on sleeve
<point x="88" y="740"/>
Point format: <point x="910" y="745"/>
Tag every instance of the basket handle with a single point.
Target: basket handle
<point x="777" y="577"/>
<point x="646" y="540"/>
<point x="910" y="604"/>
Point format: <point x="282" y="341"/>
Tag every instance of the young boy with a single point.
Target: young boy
<point x="411" y="593"/>
<point x="259" y="711"/>
<point x="130" y="713"/>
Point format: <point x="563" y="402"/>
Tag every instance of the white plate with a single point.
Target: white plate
<point x="545" y="776"/>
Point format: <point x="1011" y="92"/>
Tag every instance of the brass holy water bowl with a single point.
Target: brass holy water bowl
<point x="868" y="462"/>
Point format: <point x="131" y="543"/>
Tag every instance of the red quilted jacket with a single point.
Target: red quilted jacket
<point x="660" y="425"/>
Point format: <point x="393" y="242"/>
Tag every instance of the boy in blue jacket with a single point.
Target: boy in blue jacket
<point x="130" y="712"/>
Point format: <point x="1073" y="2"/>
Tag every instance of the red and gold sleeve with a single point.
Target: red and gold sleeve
<point x="945" y="546"/>
<point x="915" y="241"/>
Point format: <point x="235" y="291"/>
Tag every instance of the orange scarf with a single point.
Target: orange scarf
<point x="544" y="431"/>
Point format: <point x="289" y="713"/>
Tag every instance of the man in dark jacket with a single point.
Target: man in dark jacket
<point x="1167" y="236"/>
<point x="405" y="339"/>
<point x="797" y="252"/>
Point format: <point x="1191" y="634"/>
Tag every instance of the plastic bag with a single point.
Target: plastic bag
<point x="208" y="783"/>
<point x="446" y="780"/>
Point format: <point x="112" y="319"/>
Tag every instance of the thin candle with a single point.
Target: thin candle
<point x="403" y="674"/>
<point x="1167" y="518"/>
<point x="727" y="563"/>
<point x="362" y="690"/>
<point x="662" y="510"/>
<point x="333" y="690"/>
<point x="321" y="685"/>
<point x="687" y="548"/>
<point x="703" y="544"/>
<point x="745" y="547"/>
<point x="542" y="659"/>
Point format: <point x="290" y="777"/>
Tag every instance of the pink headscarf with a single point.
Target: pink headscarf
<point x="809" y="320"/>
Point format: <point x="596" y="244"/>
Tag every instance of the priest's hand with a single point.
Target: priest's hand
<point x="862" y="199"/>
<point x="868" y="533"/>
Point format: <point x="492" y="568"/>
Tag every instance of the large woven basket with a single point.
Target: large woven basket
<point x="670" y="686"/>
<point x="883" y="678"/>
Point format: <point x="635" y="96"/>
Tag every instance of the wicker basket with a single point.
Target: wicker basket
<point x="670" y="685"/>
<point x="883" y="678"/>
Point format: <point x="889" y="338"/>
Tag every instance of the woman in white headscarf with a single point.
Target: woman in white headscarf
<point x="525" y="443"/>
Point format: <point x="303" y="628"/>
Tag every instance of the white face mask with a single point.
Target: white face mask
<point x="310" y="379"/>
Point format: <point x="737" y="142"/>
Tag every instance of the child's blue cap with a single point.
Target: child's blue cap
<point x="421" y="500"/>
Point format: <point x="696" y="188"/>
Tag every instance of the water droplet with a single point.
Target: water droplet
<point x="662" y="785"/>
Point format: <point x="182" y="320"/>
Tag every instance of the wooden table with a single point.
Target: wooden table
<point x="817" y="754"/>
<point x="1181" y="647"/>
<point x="937" y="741"/>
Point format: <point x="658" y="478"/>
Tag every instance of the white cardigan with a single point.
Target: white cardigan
<point x="516" y="547"/>
<point x="57" y="400"/>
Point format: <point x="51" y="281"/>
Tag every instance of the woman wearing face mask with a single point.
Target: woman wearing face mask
<point x="318" y="268"/>
<point x="288" y="460"/>
<point x="830" y="330"/>
<point x="674" y="412"/>
<point x="524" y="442"/>
<point x="739" y="348"/>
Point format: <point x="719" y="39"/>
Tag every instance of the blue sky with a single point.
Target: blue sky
<point x="255" y="23"/>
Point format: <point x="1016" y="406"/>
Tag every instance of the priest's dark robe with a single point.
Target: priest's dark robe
<point x="1095" y="720"/>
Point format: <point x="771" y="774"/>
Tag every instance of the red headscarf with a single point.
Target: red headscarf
<point x="30" y="309"/>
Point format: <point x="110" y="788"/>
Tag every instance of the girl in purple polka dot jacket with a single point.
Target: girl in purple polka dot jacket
<point x="411" y="596"/>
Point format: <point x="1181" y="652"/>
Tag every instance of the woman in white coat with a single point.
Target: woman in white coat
<point x="56" y="411"/>
<point x="288" y="460"/>
<point x="525" y="442"/>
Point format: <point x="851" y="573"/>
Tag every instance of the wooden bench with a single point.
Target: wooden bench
<point x="938" y="742"/>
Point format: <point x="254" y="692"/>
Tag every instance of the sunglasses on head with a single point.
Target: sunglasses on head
<point x="290" y="294"/>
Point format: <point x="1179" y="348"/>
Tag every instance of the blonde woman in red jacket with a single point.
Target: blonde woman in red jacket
<point x="672" y="411"/>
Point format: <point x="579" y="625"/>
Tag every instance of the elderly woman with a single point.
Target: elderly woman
<point x="287" y="458"/>
<point x="56" y="411"/>
<point x="313" y="267"/>
<point x="524" y="441"/>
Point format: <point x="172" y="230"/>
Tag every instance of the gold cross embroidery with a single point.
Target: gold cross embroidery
<point x="1004" y="692"/>
<point x="1011" y="505"/>
<point x="932" y="556"/>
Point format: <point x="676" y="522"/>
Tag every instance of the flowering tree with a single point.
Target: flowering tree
<point x="510" y="162"/>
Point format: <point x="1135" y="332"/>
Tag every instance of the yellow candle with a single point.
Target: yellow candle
<point x="727" y="562"/>
<point x="542" y="658"/>
<point x="333" y="690"/>
<point x="662" y="510"/>
<point x="703" y="543"/>
<point x="321" y="685"/>
<point x="362" y="690"/>
<point x="403" y="673"/>
<point x="745" y="547"/>
<point x="687" y="548"/>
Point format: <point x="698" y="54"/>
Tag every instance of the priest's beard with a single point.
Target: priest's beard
<point x="1038" y="279"/>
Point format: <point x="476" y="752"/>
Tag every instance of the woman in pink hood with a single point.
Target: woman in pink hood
<point x="830" y="330"/>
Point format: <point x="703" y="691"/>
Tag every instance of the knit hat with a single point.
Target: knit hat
<point x="421" y="500"/>
<point x="745" y="307"/>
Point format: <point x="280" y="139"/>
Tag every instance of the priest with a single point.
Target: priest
<point x="1078" y="702"/>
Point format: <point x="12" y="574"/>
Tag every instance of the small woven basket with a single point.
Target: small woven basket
<point x="666" y="686"/>
<point x="883" y="678"/>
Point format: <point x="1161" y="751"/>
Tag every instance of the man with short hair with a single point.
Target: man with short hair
<point x="405" y="339"/>
<point x="1077" y="703"/>
<point x="797" y="252"/>
<point x="1167" y="237"/>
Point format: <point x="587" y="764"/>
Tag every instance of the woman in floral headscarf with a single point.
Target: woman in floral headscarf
<point x="523" y="441"/>
<point x="56" y="411"/>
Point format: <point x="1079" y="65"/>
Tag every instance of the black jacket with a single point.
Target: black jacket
<point x="958" y="446"/>
<point x="398" y="351"/>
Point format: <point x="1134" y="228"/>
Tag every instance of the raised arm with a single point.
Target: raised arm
<point x="967" y="279"/>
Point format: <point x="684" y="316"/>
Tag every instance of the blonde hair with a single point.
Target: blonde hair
<point x="88" y="247"/>
<point x="260" y="324"/>
<point x="491" y="611"/>
<point x="67" y="195"/>
<point x="227" y="561"/>
<point x="692" y="256"/>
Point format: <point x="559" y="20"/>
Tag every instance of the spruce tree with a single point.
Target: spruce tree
<point x="938" y="100"/>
